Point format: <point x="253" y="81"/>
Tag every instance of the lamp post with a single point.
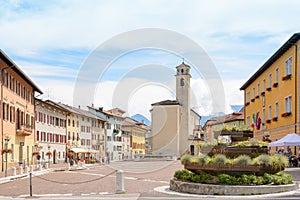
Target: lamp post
<point x="6" y="140"/>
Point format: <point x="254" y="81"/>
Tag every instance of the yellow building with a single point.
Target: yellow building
<point x="136" y="130"/>
<point x="17" y="113"/>
<point x="271" y="95"/>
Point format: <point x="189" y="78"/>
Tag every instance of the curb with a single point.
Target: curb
<point x="26" y="175"/>
<point x="166" y="190"/>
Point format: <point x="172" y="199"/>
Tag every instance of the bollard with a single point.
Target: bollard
<point x="69" y="166"/>
<point x="47" y="166"/>
<point x="120" y="182"/>
<point x="21" y="169"/>
<point x="31" y="168"/>
<point x="14" y="171"/>
<point x="26" y="169"/>
<point x="30" y="184"/>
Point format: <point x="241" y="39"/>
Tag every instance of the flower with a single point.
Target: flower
<point x="48" y="153"/>
<point x="6" y="151"/>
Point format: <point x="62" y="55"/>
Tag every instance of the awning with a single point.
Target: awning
<point x="79" y="150"/>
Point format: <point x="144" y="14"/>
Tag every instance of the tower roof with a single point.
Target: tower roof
<point x="183" y="65"/>
<point x="166" y="102"/>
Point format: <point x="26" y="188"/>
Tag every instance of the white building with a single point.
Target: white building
<point x="50" y="132"/>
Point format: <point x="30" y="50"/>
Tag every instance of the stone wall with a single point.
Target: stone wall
<point x="210" y="189"/>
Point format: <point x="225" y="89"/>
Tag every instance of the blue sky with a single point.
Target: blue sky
<point x="51" y="40"/>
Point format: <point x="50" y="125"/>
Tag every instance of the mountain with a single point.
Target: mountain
<point x="140" y="118"/>
<point x="236" y="108"/>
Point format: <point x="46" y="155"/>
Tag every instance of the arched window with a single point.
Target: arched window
<point x="181" y="82"/>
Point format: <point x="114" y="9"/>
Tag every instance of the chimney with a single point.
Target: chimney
<point x="79" y="106"/>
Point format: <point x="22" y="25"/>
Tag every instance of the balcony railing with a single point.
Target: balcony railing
<point x="24" y="130"/>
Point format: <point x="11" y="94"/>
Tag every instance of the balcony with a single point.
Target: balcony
<point x="287" y="77"/>
<point x="275" y="85"/>
<point x="24" y="130"/>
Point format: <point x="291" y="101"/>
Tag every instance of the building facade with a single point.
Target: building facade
<point x="50" y="132"/>
<point x="271" y="95"/>
<point x="214" y="125"/>
<point x="17" y="113"/>
<point x="114" y="145"/>
<point x="133" y="137"/>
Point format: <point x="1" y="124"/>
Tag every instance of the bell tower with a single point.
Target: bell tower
<point x="183" y="77"/>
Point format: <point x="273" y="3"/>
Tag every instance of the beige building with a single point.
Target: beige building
<point x="214" y="125"/>
<point x="133" y="138"/>
<point x="17" y="113"/>
<point x="173" y="121"/>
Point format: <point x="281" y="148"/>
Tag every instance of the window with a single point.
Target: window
<point x="288" y="66"/>
<point x="248" y="97"/>
<point x="5" y="78"/>
<point x="276" y="110"/>
<point x="248" y="121"/>
<point x="264" y="85"/>
<point x="263" y="101"/>
<point x="270" y="113"/>
<point x="181" y="82"/>
<point x="276" y="75"/>
<point x="69" y="135"/>
<point x="18" y="86"/>
<point x="288" y="104"/>
<point x="254" y="93"/>
<point x="263" y="116"/>
<point x="12" y="83"/>
<point x="258" y="90"/>
<point x="270" y="80"/>
<point x="109" y="125"/>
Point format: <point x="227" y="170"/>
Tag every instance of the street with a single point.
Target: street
<point x="143" y="180"/>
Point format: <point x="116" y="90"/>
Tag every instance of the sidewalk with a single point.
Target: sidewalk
<point x="36" y="171"/>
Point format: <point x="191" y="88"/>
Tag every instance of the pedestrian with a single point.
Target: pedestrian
<point x="108" y="159"/>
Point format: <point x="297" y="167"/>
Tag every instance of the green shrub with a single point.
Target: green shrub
<point x="279" y="161"/>
<point x="268" y="178"/>
<point x="203" y="159"/>
<point x="192" y="177"/>
<point x="242" y="160"/>
<point x="194" y="159"/>
<point x="219" y="159"/>
<point x="244" y="179"/>
<point x="186" y="158"/>
<point x="183" y="174"/>
<point x="282" y="178"/>
<point x="227" y="179"/>
<point x="263" y="159"/>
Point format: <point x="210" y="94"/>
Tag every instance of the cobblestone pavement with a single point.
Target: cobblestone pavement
<point x="140" y="179"/>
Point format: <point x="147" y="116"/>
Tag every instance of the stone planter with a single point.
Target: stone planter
<point x="233" y="152"/>
<point x="234" y="170"/>
<point x="210" y="189"/>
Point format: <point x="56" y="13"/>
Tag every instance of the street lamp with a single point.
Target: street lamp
<point x="6" y="140"/>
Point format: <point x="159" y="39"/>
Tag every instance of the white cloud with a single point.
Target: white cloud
<point x="238" y="35"/>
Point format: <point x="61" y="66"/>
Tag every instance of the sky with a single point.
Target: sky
<point x="53" y="41"/>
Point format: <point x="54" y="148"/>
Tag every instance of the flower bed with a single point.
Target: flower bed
<point x="242" y="164"/>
